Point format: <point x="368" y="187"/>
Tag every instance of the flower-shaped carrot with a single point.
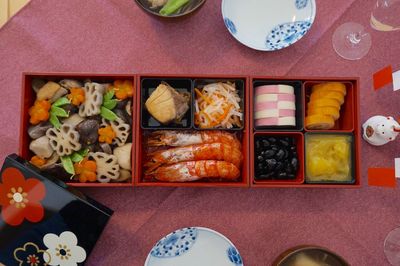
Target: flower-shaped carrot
<point x="86" y="170"/>
<point x="37" y="161"/>
<point x="39" y="112"/>
<point x="123" y="89"/>
<point x="106" y="134"/>
<point x="76" y="96"/>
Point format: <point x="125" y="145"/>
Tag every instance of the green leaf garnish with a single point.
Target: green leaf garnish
<point x="84" y="152"/>
<point x="68" y="165"/>
<point x="76" y="157"/>
<point x="54" y="121"/>
<point x="57" y="111"/>
<point x="107" y="114"/>
<point x="61" y="101"/>
<point x="108" y="96"/>
<point x="79" y="155"/>
<point x="110" y="104"/>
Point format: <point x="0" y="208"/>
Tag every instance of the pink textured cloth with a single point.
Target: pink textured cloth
<point x="117" y="37"/>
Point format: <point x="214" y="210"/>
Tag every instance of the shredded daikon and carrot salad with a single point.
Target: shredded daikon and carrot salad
<point x="217" y="105"/>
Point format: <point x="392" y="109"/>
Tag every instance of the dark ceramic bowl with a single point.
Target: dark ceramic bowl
<point x="185" y="10"/>
<point x="317" y="254"/>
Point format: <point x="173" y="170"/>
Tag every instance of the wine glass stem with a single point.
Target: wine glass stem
<point x="354" y="38"/>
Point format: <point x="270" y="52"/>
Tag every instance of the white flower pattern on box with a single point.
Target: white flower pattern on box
<point x="63" y="250"/>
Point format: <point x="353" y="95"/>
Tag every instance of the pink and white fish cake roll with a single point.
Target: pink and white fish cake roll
<point x="267" y="89"/>
<point x="273" y="97"/>
<point x="276" y="121"/>
<point x="287" y="105"/>
<point x="274" y="113"/>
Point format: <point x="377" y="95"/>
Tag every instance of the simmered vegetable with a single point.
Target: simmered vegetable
<point x="172" y="6"/>
<point x="39" y="112"/>
<point x="76" y="96"/>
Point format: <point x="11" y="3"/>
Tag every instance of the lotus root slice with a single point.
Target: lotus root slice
<point x="64" y="140"/>
<point x="107" y="166"/>
<point x="120" y="128"/>
<point x="93" y="99"/>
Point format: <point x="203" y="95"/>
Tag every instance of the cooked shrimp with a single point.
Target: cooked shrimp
<point x="179" y="138"/>
<point x="213" y="151"/>
<point x="195" y="170"/>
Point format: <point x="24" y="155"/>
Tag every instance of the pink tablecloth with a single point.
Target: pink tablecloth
<point x="116" y="36"/>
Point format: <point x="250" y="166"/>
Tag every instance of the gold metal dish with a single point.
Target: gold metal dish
<point x="318" y="255"/>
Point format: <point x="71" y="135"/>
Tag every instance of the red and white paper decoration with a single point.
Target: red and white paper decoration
<point x="386" y="76"/>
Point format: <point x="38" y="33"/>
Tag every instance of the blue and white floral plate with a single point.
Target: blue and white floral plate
<point x="194" y="246"/>
<point x="268" y="25"/>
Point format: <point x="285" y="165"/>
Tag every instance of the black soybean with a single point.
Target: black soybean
<point x="284" y="143"/>
<point x="269" y="154"/>
<point x="271" y="164"/>
<point x="286" y="154"/>
<point x="265" y="143"/>
<point x="276" y="158"/>
<point x="279" y="166"/>
<point x="280" y="154"/>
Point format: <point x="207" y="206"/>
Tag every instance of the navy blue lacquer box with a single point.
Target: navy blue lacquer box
<point x="44" y="222"/>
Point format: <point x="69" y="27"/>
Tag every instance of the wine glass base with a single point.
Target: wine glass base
<point x="350" y="41"/>
<point x="392" y="247"/>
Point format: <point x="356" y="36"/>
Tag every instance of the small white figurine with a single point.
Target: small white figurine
<point x="379" y="130"/>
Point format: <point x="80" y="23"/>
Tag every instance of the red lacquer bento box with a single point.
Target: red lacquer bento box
<point x="30" y="80"/>
<point x="145" y="127"/>
<point x="250" y="133"/>
<point x="346" y="126"/>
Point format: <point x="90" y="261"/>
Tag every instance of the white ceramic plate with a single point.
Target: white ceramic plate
<point x="268" y="25"/>
<point x="194" y="246"/>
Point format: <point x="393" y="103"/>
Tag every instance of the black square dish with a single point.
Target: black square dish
<point x="147" y="86"/>
<point x="351" y="158"/>
<point x="239" y="85"/>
